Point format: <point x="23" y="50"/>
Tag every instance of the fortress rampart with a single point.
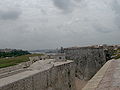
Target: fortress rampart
<point x="107" y="78"/>
<point x="88" y="60"/>
<point x="53" y="76"/>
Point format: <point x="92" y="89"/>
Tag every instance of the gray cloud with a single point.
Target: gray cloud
<point x="116" y="9"/>
<point x="103" y="29"/>
<point x="9" y="14"/>
<point x="65" y="5"/>
<point x="42" y="25"/>
<point x="78" y="0"/>
<point x="116" y="6"/>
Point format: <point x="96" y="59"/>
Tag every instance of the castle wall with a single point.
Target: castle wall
<point x="60" y="76"/>
<point x="20" y="66"/>
<point x="88" y="60"/>
<point x="16" y="67"/>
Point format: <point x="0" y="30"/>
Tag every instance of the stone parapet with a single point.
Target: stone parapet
<point x="60" y="76"/>
<point x="107" y="78"/>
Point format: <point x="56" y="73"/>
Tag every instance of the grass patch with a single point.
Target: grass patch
<point x="116" y="54"/>
<point x="6" y="62"/>
<point x="117" y="57"/>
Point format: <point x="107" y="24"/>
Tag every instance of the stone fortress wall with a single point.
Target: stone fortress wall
<point x="16" y="67"/>
<point x="9" y="71"/>
<point x="42" y="75"/>
<point x="107" y="78"/>
<point x="88" y="60"/>
<point x="52" y="74"/>
<point x="4" y="72"/>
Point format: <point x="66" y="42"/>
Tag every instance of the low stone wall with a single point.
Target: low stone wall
<point x="58" y="77"/>
<point x="88" y="60"/>
<point x="20" y="66"/>
<point x="16" y="67"/>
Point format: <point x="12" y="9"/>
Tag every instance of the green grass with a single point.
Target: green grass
<point x="6" y="62"/>
<point x="116" y="54"/>
<point x="117" y="57"/>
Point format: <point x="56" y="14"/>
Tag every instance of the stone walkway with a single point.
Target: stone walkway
<point x="80" y="83"/>
<point x="107" y="78"/>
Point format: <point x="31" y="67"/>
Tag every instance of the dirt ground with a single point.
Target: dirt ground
<point x="80" y="84"/>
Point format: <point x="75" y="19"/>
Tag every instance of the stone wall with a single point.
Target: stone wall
<point x="94" y="83"/>
<point x="88" y="60"/>
<point x="16" y="67"/>
<point x="20" y="66"/>
<point x="58" y="77"/>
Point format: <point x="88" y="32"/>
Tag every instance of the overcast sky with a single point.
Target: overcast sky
<point x="40" y="24"/>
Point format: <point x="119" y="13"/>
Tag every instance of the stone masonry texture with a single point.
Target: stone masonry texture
<point x="107" y="78"/>
<point x="61" y="76"/>
<point x="87" y="60"/>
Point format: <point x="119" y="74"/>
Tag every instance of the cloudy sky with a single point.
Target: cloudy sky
<point x="40" y="24"/>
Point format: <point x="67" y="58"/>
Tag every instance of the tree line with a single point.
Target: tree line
<point x="14" y="53"/>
